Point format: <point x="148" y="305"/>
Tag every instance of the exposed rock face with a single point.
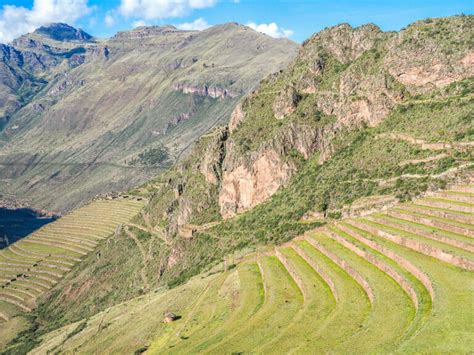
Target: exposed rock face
<point x="211" y="166"/>
<point x="97" y="52"/>
<point x="344" y="42"/>
<point x="363" y="97"/>
<point x="214" y="92"/>
<point x="64" y="85"/>
<point x="244" y="188"/>
<point x="307" y="140"/>
<point x="285" y="102"/>
<point x="238" y="115"/>
<point x="423" y="56"/>
<point x="249" y="181"/>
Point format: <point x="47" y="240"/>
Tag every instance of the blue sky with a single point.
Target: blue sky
<point x="279" y="18"/>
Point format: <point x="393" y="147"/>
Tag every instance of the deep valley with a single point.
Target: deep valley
<point x="223" y="191"/>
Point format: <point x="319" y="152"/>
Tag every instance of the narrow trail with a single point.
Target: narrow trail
<point x="382" y="182"/>
<point x="154" y="231"/>
<point x="144" y="257"/>
<point x="425" y="145"/>
<point x="425" y="160"/>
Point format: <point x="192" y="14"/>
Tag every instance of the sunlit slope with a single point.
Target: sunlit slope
<point x="33" y="265"/>
<point x="396" y="281"/>
<point x="85" y="128"/>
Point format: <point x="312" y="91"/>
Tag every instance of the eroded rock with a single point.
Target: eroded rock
<point x="238" y="115"/>
<point x="211" y="165"/>
<point x="245" y="187"/>
<point x="285" y="103"/>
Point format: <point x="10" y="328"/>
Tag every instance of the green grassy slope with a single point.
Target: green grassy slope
<point x="366" y="163"/>
<point x="410" y="140"/>
<point x="413" y="139"/>
<point x="342" y="288"/>
<point x="423" y="143"/>
<point x="35" y="264"/>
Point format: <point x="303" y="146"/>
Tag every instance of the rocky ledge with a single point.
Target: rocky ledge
<point x="214" y="92"/>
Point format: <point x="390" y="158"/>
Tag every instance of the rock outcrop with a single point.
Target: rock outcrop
<point x="285" y="102"/>
<point x="238" y="115"/>
<point x="343" y="42"/>
<point x="429" y="54"/>
<point x="214" y="92"/>
<point x="66" y="84"/>
<point x="250" y="180"/>
<point x="245" y="187"/>
<point x="214" y="154"/>
<point x="63" y="32"/>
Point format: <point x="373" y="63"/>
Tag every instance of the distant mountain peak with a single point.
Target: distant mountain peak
<point x="142" y="32"/>
<point x="63" y="32"/>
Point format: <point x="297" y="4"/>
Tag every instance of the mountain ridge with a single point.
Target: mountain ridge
<point x="149" y="113"/>
<point x="359" y="123"/>
<point x="299" y="150"/>
<point x="63" y="32"/>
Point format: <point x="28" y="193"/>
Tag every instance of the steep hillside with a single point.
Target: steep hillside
<point x="31" y="61"/>
<point x="33" y="265"/>
<point x="334" y="127"/>
<point x="392" y="282"/>
<point x="331" y="151"/>
<point x="351" y="126"/>
<point x="89" y="116"/>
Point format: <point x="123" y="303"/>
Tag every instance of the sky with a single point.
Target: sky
<point x="293" y="19"/>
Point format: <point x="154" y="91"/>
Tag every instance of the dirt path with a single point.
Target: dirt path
<point x="154" y="231"/>
<point x="381" y="182"/>
<point x="425" y="160"/>
<point x="144" y="257"/>
<point x="424" y="145"/>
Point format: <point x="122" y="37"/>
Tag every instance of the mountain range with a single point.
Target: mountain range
<point x="274" y="196"/>
<point x="83" y="116"/>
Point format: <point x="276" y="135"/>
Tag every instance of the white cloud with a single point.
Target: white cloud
<point x="18" y="20"/>
<point x="197" y="25"/>
<point x="271" y="29"/>
<point x="109" y="20"/>
<point x="139" y="23"/>
<point x="157" y="9"/>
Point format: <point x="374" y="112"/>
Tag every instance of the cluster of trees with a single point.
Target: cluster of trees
<point x="157" y="156"/>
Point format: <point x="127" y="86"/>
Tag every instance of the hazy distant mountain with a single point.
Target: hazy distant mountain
<point x="84" y="116"/>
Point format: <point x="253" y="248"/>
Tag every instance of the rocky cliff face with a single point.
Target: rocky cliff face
<point x="431" y="54"/>
<point x="214" y="155"/>
<point x="343" y="78"/>
<point x="214" y="92"/>
<point x="248" y="180"/>
<point x="244" y="187"/>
